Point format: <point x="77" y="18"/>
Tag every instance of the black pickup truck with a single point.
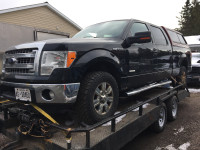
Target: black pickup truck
<point x="95" y="67"/>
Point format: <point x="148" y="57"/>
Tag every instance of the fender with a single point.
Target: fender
<point x="94" y="56"/>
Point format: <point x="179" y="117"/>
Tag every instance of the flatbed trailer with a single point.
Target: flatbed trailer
<point x="134" y="115"/>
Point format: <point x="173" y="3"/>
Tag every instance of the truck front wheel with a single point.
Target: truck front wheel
<point x="98" y="97"/>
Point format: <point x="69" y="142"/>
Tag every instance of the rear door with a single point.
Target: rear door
<point x="163" y="52"/>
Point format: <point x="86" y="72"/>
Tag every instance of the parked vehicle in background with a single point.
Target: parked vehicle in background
<point x="95" y="67"/>
<point x="194" y="76"/>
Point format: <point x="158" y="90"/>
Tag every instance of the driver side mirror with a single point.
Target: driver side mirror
<point x="140" y="37"/>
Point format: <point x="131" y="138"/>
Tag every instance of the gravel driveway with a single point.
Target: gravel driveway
<point x="182" y="134"/>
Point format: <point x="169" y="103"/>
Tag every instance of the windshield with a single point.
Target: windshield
<point x="111" y="29"/>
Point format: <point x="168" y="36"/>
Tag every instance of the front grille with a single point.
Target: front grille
<point x="20" y="51"/>
<point x="26" y="60"/>
<point x="20" y="61"/>
<point x="17" y="70"/>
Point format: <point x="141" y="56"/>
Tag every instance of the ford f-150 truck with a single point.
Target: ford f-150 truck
<point x="95" y="67"/>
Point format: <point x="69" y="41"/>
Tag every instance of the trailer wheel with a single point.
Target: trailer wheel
<point x="172" y="108"/>
<point x="160" y="124"/>
<point x="97" y="98"/>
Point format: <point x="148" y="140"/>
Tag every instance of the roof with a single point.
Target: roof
<point x="40" y="5"/>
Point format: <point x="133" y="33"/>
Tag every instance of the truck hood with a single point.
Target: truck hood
<point x="73" y="44"/>
<point x="83" y="44"/>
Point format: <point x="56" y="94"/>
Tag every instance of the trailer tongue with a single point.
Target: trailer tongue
<point x="19" y="122"/>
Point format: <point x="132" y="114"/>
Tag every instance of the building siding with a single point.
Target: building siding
<point x="39" y="18"/>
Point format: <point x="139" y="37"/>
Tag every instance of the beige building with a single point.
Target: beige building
<point x="40" y="16"/>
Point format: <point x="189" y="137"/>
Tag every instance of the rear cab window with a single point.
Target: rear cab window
<point x="176" y="37"/>
<point x="181" y="38"/>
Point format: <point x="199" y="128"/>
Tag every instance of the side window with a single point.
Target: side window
<point x="173" y="36"/>
<point x="138" y="27"/>
<point x="181" y="39"/>
<point x="158" y="36"/>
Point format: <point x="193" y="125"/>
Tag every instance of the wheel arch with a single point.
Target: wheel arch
<point x="101" y="60"/>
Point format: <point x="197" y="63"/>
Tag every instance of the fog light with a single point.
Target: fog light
<point x="48" y="95"/>
<point x="51" y="94"/>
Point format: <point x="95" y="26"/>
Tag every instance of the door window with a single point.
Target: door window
<point x="158" y="36"/>
<point x="138" y="27"/>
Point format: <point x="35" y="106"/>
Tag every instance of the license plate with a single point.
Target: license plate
<point x="23" y="94"/>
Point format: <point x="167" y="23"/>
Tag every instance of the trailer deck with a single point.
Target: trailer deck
<point x="113" y="133"/>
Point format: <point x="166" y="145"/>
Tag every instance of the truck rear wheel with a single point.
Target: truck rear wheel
<point x="160" y="124"/>
<point x="172" y="108"/>
<point x="98" y="97"/>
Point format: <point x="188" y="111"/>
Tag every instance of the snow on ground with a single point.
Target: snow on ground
<point x="171" y="147"/>
<point x="194" y="90"/>
<point x="121" y="117"/>
<point x="184" y="146"/>
<point x="144" y="106"/>
<point x="179" y="131"/>
<point x="117" y="120"/>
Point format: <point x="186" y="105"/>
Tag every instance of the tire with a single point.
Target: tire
<point x="182" y="77"/>
<point x="98" y="97"/>
<point x="172" y="108"/>
<point x="160" y="124"/>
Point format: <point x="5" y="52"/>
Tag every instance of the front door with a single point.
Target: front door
<point x="141" y="59"/>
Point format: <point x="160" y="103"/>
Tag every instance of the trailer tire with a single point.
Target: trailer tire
<point x="160" y="124"/>
<point x="172" y="108"/>
<point x="98" y="97"/>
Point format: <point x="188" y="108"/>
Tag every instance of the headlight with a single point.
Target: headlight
<point x="56" y="59"/>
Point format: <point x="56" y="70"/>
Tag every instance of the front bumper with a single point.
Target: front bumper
<point x="63" y="93"/>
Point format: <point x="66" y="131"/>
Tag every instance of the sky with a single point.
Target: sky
<point x="88" y="12"/>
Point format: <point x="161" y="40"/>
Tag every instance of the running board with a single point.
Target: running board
<point x="136" y="91"/>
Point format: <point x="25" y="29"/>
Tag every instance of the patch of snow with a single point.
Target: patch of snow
<point x="194" y="90"/>
<point x="184" y="146"/>
<point x="136" y="109"/>
<point x="171" y="147"/>
<point x="179" y="130"/>
<point x="117" y="120"/>
<point x="144" y="106"/>
<point x="92" y="130"/>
